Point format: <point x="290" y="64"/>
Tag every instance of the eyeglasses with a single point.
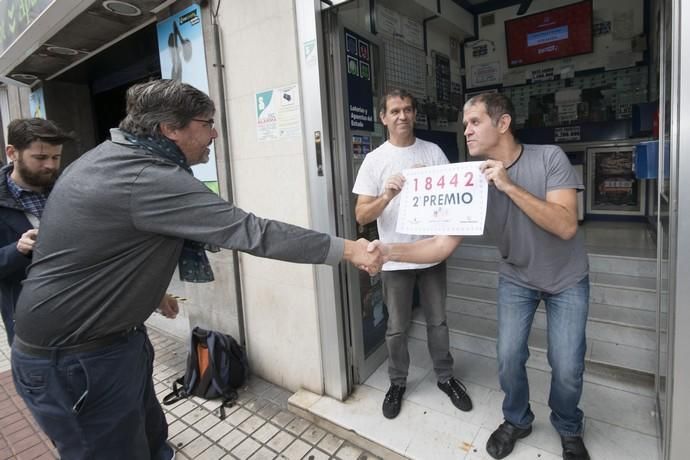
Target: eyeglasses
<point x="209" y="122"/>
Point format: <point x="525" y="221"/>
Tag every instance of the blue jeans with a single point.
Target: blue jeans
<point x="98" y="404"/>
<point x="566" y="314"/>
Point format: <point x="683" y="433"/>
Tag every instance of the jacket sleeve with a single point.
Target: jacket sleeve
<point x="174" y="203"/>
<point x="12" y="262"/>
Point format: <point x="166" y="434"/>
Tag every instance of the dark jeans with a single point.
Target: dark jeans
<point x="98" y="404"/>
<point x="566" y="317"/>
<point x="398" y="288"/>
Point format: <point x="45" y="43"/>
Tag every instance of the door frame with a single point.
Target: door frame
<point x="675" y="442"/>
<point x="362" y="366"/>
<point x="323" y="196"/>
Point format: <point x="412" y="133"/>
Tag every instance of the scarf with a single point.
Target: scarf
<point x="193" y="264"/>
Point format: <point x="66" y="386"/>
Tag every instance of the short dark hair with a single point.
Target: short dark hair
<point x="496" y="105"/>
<point x="163" y="101"/>
<point x="396" y="92"/>
<point x="23" y="131"/>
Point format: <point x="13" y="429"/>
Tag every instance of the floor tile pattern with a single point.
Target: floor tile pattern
<point x="258" y="427"/>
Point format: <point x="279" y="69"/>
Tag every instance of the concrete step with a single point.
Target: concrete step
<point x="598" y="263"/>
<point x="464" y="271"/>
<point x="481" y="285"/>
<point x="477" y="335"/>
<point x="620" y="317"/>
<point x="620" y="265"/>
<point x="621" y="328"/>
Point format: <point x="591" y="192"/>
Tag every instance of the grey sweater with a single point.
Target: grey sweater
<point x="111" y="235"/>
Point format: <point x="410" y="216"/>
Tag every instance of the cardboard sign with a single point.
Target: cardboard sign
<point x="443" y="200"/>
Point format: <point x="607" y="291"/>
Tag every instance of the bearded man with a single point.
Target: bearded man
<point x="35" y="148"/>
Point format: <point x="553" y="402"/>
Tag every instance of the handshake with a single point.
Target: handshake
<point x="365" y="255"/>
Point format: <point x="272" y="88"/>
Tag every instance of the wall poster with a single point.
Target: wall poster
<point x="37" y="103"/>
<point x="443" y="200"/>
<point x="182" y="56"/>
<point x="277" y="114"/>
<point x="359" y="93"/>
<point x="485" y="74"/>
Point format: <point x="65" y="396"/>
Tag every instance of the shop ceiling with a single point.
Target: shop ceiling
<point x="484" y="6"/>
<point x="106" y="22"/>
<point x="96" y="28"/>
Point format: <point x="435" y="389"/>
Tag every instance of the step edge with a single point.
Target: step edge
<point x="479" y="335"/>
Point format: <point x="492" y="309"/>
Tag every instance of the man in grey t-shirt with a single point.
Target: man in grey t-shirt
<point x="532" y="214"/>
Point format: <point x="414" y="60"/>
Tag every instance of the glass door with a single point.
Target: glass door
<point x="353" y="81"/>
<point x="673" y="376"/>
<point x="664" y="199"/>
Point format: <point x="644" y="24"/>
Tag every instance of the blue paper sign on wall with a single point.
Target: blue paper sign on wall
<point x="359" y="93"/>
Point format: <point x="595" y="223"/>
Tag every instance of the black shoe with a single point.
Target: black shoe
<point x="574" y="448"/>
<point x="393" y="401"/>
<point x="457" y="393"/>
<point x="502" y="441"/>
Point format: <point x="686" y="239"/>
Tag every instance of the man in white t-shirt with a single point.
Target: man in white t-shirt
<point x="378" y="184"/>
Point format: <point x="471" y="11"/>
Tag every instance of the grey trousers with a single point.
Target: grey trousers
<point x="398" y="288"/>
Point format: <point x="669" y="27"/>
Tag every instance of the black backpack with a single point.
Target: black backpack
<point x="216" y="366"/>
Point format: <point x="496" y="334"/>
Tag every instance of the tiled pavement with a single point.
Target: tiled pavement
<point x="258" y="427"/>
<point x="20" y="437"/>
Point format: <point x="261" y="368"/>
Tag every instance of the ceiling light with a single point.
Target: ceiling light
<point x="24" y="76"/>
<point x="121" y="8"/>
<point x="61" y="50"/>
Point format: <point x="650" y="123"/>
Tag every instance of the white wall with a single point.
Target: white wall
<point x="260" y="53"/>
<point x="605" y="46"/>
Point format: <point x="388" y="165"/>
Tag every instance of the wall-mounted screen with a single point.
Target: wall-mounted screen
<point x="552" y="34"/>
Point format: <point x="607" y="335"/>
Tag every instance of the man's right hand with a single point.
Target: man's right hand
<point x="357" y="253"/>
<point x="392" y="186"/>
<point x="26" y="243"/>
<point x="377" y="245"/>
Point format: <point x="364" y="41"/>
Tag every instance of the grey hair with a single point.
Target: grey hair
<point x="163" y="101"/>
<point x="496" y="105"/>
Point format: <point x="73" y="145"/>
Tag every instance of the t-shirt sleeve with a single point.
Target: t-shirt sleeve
<point x="440" y="157"/>
<point x="168" y="201"/>
<point x="560" y="173"/>
<point x="366" y="183"/>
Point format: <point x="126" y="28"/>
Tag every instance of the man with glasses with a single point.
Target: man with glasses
<point x="120" y="220"/>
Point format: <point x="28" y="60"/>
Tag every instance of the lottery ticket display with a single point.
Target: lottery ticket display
<point x="443" y="200"/>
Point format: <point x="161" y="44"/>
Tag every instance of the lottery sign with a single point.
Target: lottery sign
<point x="443" y="200"/>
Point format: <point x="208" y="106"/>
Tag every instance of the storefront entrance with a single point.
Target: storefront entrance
<point x="629" y="220"/>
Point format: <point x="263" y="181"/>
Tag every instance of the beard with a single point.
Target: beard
<point x="35" y="178"/>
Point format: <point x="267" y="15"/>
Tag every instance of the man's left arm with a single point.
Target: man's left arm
<point x="180" y="206"/>
<point x="557" y="214"/>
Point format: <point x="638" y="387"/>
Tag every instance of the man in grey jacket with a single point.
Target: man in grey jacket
<point x="118" y="222"/>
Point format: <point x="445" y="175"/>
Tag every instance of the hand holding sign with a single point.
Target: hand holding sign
<point x="443" y="200"/>
<point x="393" y="185"/>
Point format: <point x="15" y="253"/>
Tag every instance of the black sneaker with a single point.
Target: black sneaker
<point x="574" y="448"/>
<point x="502" y="441"/>
<point x="393" y="401"/>
<point x="457" y="393"/>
